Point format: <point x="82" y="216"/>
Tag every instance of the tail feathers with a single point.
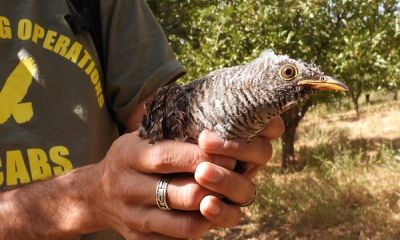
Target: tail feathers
<point x="165" y="116"/>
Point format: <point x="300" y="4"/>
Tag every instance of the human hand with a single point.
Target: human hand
<point x="124" y="197"/>
<point x="236" y="187"/>
<point x="125" y="200"/>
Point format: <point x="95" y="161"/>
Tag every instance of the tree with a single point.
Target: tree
<point x="355" y="41"/>
<point x="367" y="41"/>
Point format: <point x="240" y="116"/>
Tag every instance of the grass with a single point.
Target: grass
<point x="349" y="188"/>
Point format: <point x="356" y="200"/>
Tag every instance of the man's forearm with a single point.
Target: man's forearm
<point x="53" y="209"/>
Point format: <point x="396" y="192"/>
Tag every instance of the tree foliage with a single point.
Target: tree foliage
<point x="357" y="41"/>
<point x="347" y="38"/>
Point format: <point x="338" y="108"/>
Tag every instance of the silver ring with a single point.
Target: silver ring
<point x="161" y="194"/>
<point x="251" y="201"/>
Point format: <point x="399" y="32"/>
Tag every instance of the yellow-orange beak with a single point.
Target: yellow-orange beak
<point x="328" y="83"/>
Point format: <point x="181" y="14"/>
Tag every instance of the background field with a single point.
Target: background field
<point x="349" y="187"/>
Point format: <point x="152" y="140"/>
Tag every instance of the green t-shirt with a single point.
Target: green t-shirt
<point x="53" y="97"/>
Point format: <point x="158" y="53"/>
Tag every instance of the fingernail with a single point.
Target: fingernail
<point x="211" y="140"/>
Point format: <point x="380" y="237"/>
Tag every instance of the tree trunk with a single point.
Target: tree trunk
<point x="292" y="118"/>
<point x="354" y="97"/>
<point x="288" y="156"/>
<point x="395" y="95"/>
<point x="367" y="98"/>
<point x="357" y="106"/>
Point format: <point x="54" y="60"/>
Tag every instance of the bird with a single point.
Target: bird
<point x="235" y="102"/>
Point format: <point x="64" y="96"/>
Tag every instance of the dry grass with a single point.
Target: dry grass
<point x="349" y="189"/>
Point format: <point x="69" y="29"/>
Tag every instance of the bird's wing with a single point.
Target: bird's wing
<point x="166" y="115"/>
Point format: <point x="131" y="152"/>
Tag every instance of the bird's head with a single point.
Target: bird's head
<point x="293" y="80"/>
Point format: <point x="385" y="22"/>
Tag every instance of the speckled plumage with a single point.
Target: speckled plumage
<point x="235" y="102"/>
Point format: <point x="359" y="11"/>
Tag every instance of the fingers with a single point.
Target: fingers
<point x="166" y="156"/>
<point x="180" y="224"/>
<point x="220" y="213"/>
<point x="184" y="193"/>
<point x="170" y="156"/>
<point x="232" y="185"/>
<point x="274" y="129"/>
<point x="170" y="223"/>
<point x="259" y="151"/>
<point x="144" y="216"/>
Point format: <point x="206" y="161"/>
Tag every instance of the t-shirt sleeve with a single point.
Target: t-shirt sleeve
<point x="138" y="57"/>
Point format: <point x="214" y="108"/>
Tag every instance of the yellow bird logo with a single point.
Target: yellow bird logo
<point x="15" y="90"/>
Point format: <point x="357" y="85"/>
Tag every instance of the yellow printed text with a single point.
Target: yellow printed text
<point x="22" y="166"/>
<point x="5" y="28"/>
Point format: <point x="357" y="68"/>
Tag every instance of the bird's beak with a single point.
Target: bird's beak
<point x="327" y="83"/>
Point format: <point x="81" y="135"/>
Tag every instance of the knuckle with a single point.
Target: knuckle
<point x="128" y="191"/>
<point x="143" y="226"/>
<point x="159" y="158"/>
<point x="193" y="158"/>
<point x="117" y="148"/>
<point x="196" y="156"/>
<point x="124" y="190"/>
<point x="120" y="191"/>
<point x="163" y="157"/>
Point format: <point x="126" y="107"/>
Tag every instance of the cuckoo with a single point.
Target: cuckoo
<point x="234" y="102"/>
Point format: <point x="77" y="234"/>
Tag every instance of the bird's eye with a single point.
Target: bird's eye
<point x="288" y="72"/>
